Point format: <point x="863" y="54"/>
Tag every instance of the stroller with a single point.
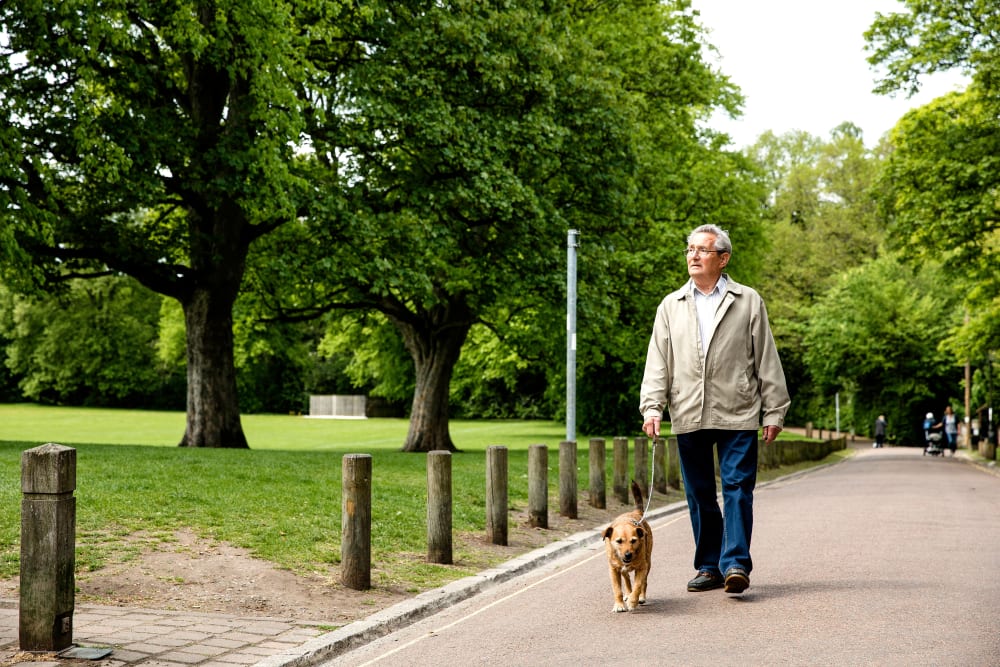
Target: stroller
<point x="932" y="436"/>
<point x="933" y="447"/>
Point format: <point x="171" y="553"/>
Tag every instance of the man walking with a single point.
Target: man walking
<point x="713" y="365"/>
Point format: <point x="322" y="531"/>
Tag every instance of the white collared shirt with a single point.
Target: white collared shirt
<point x="707" y="305"/>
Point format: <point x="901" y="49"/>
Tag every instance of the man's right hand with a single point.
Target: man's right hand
<point x="651" y="427"/>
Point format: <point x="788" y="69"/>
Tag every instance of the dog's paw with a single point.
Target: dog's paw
<point x="619" y="606"/>
<point x="642" y="600"/>
<point x="631" y="604"/>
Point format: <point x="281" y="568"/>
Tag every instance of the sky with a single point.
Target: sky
<point x="801" y="65"/>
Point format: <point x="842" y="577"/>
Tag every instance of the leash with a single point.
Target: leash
<point x="649" y="489"/>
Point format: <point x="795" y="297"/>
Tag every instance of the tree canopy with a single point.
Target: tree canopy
<point x="158" y="140"/>
<point x="938" y="190"/>
<point x="473" y="136"/>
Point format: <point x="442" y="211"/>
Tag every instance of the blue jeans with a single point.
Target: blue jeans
<point x="722" y="540"/>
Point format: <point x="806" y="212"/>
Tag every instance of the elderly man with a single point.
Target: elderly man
<point x="713" y="365"/>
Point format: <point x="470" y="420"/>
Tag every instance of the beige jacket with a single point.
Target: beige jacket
<point x="728" y="387"/>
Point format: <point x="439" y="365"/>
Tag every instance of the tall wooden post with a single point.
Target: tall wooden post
<point x="673" y="464"/>
<point x="598" y="493"/>
<point x="496" y="494"/>
<point x="439" y="546"/>
<point x="48" y="543"/>
<point x="356" y="522"/>
<point x="642" y="464"/>
<point x="620" y="485"/>
<point x="567" y="479"/>
<point x="660" y="465"/>
<point x="538" y="486"/>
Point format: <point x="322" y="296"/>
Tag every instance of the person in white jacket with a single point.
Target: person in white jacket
<point x="713" y="365"/>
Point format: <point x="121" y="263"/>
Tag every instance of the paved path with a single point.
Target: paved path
<point x="889" y="558"/>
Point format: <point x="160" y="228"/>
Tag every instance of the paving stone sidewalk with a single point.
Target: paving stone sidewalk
<point x="168" y="638"/>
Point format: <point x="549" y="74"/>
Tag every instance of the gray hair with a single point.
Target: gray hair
<point x="722" y="241"/>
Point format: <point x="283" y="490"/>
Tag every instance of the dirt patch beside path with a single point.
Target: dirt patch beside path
<point x="195" y="574"/>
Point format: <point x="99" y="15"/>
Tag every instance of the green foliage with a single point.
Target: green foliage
<point x="877" y="334"/>
<point x="160" y="140"/>
<point x="933" y="36"/>
<point x="822" y="221"/>
<point x="939" y="186"/>
<point x="939" y="189"/>
<point x="93" y="344"/>
<point x="369" y="354"/>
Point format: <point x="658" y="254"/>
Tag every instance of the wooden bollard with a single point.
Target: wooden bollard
<point x="48" y="543"/>
<point x="765" y="456"/>
<point x="496" y="494"/>
<point x="567" y="479"/>
<point x="673" y="464"/>
<point x="598" y="492"/>
<point x="619" y="484"/>
<point x="439" y="548"/>
<point x="538" y="486"/>
<point x="660" y="465"/>
<point x="642" y="464"/>
<point x="356" y="522"/>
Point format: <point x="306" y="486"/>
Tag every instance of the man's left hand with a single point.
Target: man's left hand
<point x="770" y="433"/>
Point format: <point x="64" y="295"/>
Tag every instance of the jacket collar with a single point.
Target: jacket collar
<point x="732" y="287"/>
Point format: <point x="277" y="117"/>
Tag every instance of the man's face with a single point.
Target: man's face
<point x="705" y="266"/>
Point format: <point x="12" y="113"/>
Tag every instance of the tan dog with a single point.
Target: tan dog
<point x="629" y="543"/>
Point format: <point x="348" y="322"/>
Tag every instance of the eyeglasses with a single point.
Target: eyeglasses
<point x="691" y="252"/>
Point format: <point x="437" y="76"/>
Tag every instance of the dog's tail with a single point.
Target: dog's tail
<point x="637" y="494"/>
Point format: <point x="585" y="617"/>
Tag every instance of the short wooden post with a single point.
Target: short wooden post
<point x="598" y="493"/>
<point x="642" y="464"/>
<point x="439" y="548"/>
<point x="765" y="453"/>
<point x="620" y="484"/>
<point x="660" y="465"/>
<point x="567" y="479"/>
<point x="48" y="543"/>
<point x="356" y="522"/>
<point x="496" y="494"/>
<point x="538" y="486"/>
<point x="673" y="464"/>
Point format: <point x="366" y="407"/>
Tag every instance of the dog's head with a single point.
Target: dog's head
<point x="625" y="538"/>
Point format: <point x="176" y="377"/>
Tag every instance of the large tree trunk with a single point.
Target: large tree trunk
<point x="435" y="350"/>
<point x="213" y="410"/>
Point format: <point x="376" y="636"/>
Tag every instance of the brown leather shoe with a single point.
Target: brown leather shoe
<point x="705" y="581"/>
<point x="737" y="580"/>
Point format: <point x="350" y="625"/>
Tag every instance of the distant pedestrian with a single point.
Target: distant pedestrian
<point x="713" y="365"/>
<point x="950" y="423"/>
<point x="880" y="425"/>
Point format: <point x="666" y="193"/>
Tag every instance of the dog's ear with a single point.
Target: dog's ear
<point x="607" y="533"/>
<point x="640" y="532"/>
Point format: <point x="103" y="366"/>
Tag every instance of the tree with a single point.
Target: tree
<point x="876" y="334"/>
<point x="157" y="140"/>
<point x="477" y="134"/>
<point x="939" y="189"/>
<point x="91" y="344"/>
<point x="944" y="154"/>
<point x="822" y="221"/>
<point x="936" y="36"/>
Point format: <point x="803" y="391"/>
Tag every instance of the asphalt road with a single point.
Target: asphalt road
<point x="889" y="558"/>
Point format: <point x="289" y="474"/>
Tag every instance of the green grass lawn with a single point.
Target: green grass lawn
<point x="280" y="499"/>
